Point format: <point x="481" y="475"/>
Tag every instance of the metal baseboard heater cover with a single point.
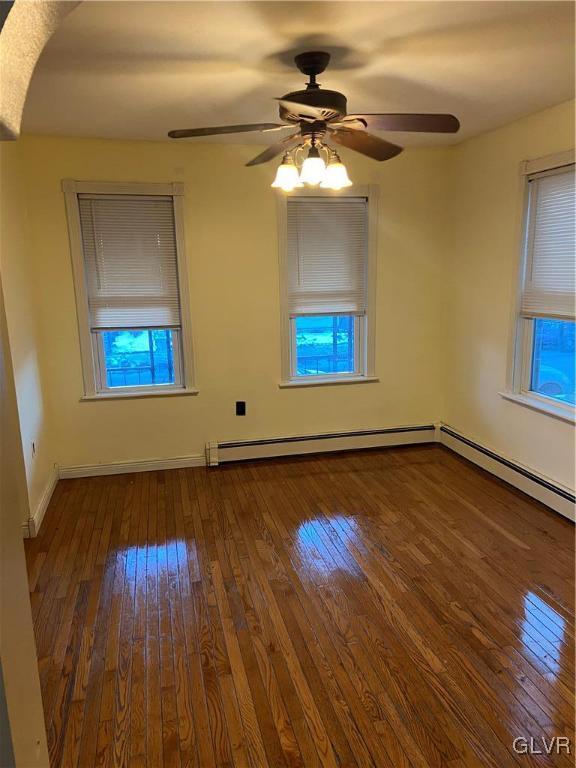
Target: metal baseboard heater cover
<point x="241" y="450"/>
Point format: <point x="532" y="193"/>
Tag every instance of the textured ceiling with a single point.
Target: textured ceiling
<point x="138" y="69"/>
<point x="25" y="29"/>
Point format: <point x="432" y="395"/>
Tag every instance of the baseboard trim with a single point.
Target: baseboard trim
<point x="553" y="495"/>
<point x="125" y="467"/>
<point x="31" y="527"/>
<point x="243" y="450"/>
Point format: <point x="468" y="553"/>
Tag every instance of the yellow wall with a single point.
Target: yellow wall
<point x="17" y="647"/>
<point x="447" y="270"/>
<point x="481" y="280"/>
<point x="21" y="288"/>
<point x="231" y="235"/>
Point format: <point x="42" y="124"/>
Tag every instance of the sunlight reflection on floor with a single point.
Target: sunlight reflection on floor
<point x="543" y="631"/>
<point x="314" y="544"/>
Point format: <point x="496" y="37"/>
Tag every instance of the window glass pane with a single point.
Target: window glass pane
<point x="139" y="358"/>
<point x="324" y="345"/>
<point x="553" y="359"/>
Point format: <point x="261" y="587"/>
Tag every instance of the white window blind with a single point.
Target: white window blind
<point x="129" y="249"/>
<point x="549" y="280"/>
<point x="327" y="255"/>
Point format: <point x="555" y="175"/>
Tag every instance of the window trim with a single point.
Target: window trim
<point x="367" y="347"/>
<point x="519" y="370"/>
<point x="89" y="354"/>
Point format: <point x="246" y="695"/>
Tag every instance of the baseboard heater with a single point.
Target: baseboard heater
<point x="241" y="450"/>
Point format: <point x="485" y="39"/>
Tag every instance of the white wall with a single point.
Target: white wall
<point x="232" y="249"/>
<point x="486" y="193"/>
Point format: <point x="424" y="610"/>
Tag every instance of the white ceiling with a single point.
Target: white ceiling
<point x="138" y="69"/>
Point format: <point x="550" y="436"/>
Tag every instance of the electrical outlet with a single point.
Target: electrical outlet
<point x="240" y="408"/>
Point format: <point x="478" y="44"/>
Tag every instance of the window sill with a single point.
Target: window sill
<point x="565" y="414"/>
<point x="328" y="382"/>
<point x="132" y="395"/>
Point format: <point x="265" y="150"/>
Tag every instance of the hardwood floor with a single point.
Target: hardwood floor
<point x="383" y="608"/>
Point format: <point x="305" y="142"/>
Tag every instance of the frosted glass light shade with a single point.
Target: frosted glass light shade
<point x="287" y="177"/>
<point x="313" y="169"/>
<point x="336" y="177"/>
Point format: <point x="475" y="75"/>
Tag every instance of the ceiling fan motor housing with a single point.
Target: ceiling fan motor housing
<point x="331" y="101"/>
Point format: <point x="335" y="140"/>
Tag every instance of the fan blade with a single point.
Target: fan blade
<point x="307" y="112"/>
<point x="275" y="149"/>
<point x="401" y="122"/>
<point x="189" y="132"/>
<point x="365" y="143"/>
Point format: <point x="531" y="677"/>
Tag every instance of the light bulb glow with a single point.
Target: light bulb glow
<point x="336" y="176"/>
<point x="313" y="168"/>
<point x="287" y="177"/>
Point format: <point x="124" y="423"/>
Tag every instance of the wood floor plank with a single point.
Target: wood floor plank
<point x="390" y="608"/>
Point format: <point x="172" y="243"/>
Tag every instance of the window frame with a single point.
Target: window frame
<point x="519" y="376"/>
<point x="359" y="339"/>
<point x="91" y="354"/>
<point x="364" y="324"/>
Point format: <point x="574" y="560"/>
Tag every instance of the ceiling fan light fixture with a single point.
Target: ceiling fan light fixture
<point x="336" y="176"/>
<point x="313" y="168"/>
<point x="287" y="177"/>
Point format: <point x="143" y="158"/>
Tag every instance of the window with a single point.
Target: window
<point x="545" y="365"/>
<point x="325" y="344"/>
<point x="130" y="284"/>
<point x="326" y="281"/>
<point x="552" y="360"/>
<point x="142" y="357"/>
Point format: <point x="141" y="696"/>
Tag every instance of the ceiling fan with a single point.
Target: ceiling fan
<point x="319" y="115"/>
